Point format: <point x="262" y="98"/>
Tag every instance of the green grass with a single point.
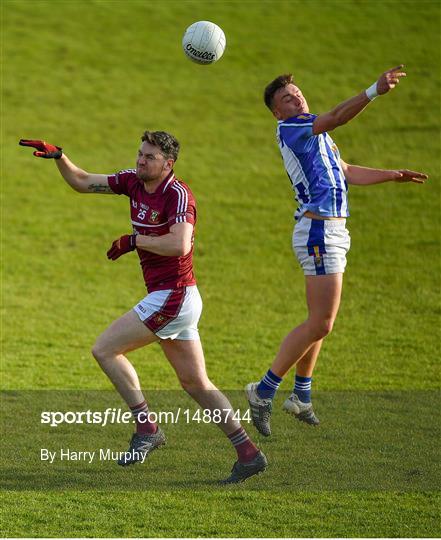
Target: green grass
<point x="350" y="453"/>
<point x="91" y="76"/>
<point x="224" y="514"/>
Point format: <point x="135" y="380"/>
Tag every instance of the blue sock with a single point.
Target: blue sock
<point x="302" y="388"/>
<point x="268" y="385"/>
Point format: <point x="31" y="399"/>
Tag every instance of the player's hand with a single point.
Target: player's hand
<point x="123" y="245"/>
<point x="44" y="149"/>
<point x="390" y="79"/>
<point x="404" y="175"/>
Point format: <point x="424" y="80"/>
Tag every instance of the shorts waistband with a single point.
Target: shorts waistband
<point x="311" y="215"/>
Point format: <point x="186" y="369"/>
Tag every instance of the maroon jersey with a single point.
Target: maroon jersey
<point x="153" y="214"/>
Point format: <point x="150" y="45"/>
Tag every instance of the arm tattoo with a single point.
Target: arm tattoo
<point x="100" y="188"/>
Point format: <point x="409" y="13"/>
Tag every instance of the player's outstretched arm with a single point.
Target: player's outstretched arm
<point x="80" y="180"/>
<point x="365" y="176"/>
<point x="350" y="108"/>
<point x="77" y="178"/>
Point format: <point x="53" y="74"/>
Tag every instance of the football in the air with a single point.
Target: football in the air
<point x="204" y="42"/>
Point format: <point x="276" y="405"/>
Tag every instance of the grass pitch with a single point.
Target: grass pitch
<point x="91" y="76"/>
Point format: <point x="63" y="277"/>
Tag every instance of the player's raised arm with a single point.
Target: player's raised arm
<point x="80" y="180"/>
<point x="77" y="178"/>
<point x="351" y="107"/>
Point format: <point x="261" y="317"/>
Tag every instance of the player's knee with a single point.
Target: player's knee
<point x="194" y="385"/>
<point x="322" y="328"/>
<point x="99" y="352"/>
<point x="326" y="327"/>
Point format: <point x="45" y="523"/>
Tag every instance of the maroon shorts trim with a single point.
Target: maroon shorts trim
<point x="168" y="312"/>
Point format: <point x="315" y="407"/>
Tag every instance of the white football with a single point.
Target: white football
<point x="204" y="42"/>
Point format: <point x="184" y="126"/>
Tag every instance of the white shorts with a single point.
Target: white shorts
<point x="321" y="245"/>
<point x="172" y="313"/>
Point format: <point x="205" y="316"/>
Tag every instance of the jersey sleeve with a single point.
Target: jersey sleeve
<point x="181" y="206"/>
<point x="297" y="130"/>
<point x="120" y="181"/>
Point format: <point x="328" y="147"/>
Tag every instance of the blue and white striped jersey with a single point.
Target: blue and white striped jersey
<point x="312" y="163"/>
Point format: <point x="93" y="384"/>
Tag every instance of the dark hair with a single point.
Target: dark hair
<point x="271" y="89"/>
<point x="167" y="143"/>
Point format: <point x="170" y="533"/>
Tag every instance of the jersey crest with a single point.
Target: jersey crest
<point x="153" y="217"/>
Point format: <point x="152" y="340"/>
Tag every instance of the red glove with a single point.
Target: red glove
<point x="123" y="245"/>
<point x="45" y="150"/>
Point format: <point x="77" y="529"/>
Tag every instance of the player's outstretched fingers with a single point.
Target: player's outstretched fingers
<point x="32" y="142"/>
<point x="396" y="73"/>
<point x="412" y="176"/>
<point x="417" y="177"/>
<point x="44" y="149"/>
<point x="389" y="79"/>
<point x="395" y="68"/>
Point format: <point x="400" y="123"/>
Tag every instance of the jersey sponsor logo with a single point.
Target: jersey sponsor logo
<point x="153" y="217"/>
